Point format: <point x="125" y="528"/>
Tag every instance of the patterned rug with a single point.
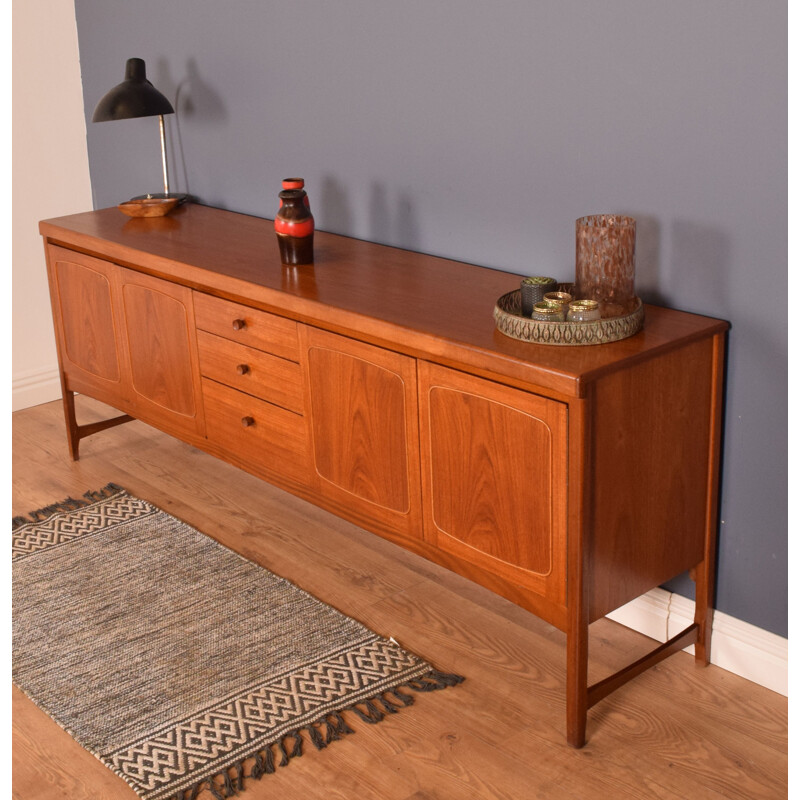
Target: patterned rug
<point x="180" y="664"/>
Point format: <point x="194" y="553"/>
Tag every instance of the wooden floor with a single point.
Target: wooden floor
<point x="679" y="731"/>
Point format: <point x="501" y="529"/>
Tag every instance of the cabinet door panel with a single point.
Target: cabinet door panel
<point x="494" y="477"/>
<point x="86" y="321"/>
<point x="161" y="349"/>
<point x="363" y="409"/>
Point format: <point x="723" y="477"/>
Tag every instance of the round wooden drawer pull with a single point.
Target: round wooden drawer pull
<point x="243" y="369"/>
<point x="248" y="421"/>
<point x="239" y="324"/>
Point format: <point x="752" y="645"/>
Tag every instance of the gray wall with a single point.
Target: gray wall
<point x="481" y="131"/>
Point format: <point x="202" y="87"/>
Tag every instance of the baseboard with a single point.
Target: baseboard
<point x="35" y="387"/>
<point x="736" y="646"/>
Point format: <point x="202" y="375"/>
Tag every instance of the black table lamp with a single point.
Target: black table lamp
<point x="137" y="97"/>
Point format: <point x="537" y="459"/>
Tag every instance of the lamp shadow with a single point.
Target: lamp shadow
<point x="194" y="100"/>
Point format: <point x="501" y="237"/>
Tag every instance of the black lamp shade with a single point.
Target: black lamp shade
<point x="134" y="97"/>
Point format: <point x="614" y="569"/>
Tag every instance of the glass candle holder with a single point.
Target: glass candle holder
<point x="583" y="310"/>
<point x="532" y="291"/>
<point x="562" y="298"/>
<point x="605" y="250"/>
<point x="548" y="311"/>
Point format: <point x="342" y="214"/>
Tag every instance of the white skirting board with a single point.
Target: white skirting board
<point x="741" y="648"/>
<point x="35" y="387"/>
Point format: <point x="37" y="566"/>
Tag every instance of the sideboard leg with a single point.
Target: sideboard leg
<point x="703" y="609"/>
<point x="577" y="680"/>
<point x="77" y="432"/>
<point x="704" y="572"/>
<point x="579" y="522"/>
<point x="73" y="435"/>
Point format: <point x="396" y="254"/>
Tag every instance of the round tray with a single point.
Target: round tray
<point x="509" y="320"/>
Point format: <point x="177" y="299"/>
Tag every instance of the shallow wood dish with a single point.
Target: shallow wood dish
<point x="509" y="320"/>
<point x="148" y="206"/>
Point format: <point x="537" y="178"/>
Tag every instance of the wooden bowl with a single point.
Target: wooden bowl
<point x="148" y="206"/>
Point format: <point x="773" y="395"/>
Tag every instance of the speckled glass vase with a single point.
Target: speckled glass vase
<point x="605" y="250"/>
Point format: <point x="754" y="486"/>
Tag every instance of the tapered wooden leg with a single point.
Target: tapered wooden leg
<point x="73" y="435"/>
<point x="577" y="603"/>
<point x="577" y="677"/>
<point x="77" y="432"/>
<point x="704" y="572"/>
<point x="703" y="609"/>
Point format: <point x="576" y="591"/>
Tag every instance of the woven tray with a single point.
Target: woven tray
<point x="509" y="320"/>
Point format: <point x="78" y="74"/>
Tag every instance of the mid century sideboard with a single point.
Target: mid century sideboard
<point x="374" y="383"/>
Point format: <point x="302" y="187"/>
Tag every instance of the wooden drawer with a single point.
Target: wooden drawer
<point x="247" y="326"/>
<point x="273" y="379"/>
<point x="256" y="434"/>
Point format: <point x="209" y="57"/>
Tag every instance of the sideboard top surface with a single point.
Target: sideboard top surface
<point x="423" y="304"/>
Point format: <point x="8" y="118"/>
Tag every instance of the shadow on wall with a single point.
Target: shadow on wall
<point x="701" y="267"/>
<point x="648" y="259"/>
<point x="399" y="229"/>
<point x="193" y="99"/>
<point x="389" y="221"/>
<point x="336" y="216"/>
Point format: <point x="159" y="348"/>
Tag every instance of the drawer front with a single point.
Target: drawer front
<point x="268" y="377"/>
<point x="247" y="326"/>
<point x="259" y="435"/>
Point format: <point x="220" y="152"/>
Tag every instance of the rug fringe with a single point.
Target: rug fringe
<point x="223" y="784"/>
<point x="67" y="504"/>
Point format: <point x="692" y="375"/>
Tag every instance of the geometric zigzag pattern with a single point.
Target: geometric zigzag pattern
<point x="228" y="730"/>
<point x="180" y="664"/>
<point x="62" y="528"/>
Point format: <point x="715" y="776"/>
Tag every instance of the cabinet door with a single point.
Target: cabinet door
<point x="362" y="403"/>
<point x="87" y="325"/>
<point x="158" y="341"/>
<point x="494" y="477"/>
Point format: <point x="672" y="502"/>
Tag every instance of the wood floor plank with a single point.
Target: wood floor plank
<point x="677" y="731"/>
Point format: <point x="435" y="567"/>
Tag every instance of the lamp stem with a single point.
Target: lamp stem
<point x="163" y="151"/>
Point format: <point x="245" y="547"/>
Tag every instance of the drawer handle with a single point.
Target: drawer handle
<point x="239" y="324"/>
<point x="243" y="369"/>
<point x="248" y="421"/>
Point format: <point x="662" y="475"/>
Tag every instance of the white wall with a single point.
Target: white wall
<point x="50" y="178"/>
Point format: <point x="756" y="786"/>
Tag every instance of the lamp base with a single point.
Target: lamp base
<point x="181" y="197"/>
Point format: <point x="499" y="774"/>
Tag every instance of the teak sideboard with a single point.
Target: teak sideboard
<point x="374" y="384"/>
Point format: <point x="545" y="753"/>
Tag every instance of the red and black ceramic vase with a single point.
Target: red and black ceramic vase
<point x="294" y="226"/>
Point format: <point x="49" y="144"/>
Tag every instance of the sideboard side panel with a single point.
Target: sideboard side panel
<point x="651" y="429"/>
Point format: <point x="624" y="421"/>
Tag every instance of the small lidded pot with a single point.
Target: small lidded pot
<point x="532" y="291"/>
<point x="583" y="311"/>
<point x="548" y="311"/>
<point x="562" y="298"/>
